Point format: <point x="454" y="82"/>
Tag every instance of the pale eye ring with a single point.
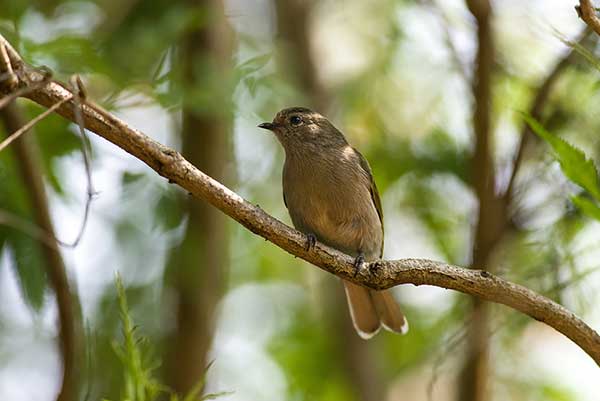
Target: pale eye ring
<point x="295" y="120"/>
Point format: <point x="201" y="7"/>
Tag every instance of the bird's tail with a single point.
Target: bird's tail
<point x="372" y="309"/>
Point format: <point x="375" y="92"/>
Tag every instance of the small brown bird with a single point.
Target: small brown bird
<point x="331" y="196"/>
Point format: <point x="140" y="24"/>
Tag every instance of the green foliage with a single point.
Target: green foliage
<point x="140" y="385"/>
<point x="445" y="222"/>
<point x="246" y="72"/>
<point x="29" y="264"/>
<point x="575" y="165"/>
<point x="300" y="351"/>
<point x="431" y="335"/>
<point x="587" y="206"/>
<point x="418" y="147"/>
<point x="437" y="152"/>
<point x="55" y="140"/>
<point x="584" y="52"/>
<point x="28" y="258"/>
<point x="140" y="382"/>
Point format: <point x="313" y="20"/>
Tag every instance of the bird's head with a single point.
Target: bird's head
<point x="299" y="126"/>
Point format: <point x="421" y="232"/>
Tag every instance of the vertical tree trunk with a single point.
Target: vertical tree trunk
<point x="69" y="319"/>
<point x="200" y="263"/>
<point x="494" y="218"/>
<point x="490" y="221"/>
<point x="293" y="25"/>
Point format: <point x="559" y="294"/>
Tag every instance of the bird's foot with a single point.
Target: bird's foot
<point x="358" y="262"/>
<point x="311" y="240"/>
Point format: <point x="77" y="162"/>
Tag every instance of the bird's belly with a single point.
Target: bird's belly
<point x="342" y="226"/>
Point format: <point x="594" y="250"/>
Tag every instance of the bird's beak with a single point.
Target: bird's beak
<point x="269" y="126"/>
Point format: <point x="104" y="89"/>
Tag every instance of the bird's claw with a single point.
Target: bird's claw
<point x="311" y="240"/>
<point x="358" y="262"/>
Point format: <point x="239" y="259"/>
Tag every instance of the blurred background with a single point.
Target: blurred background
<point x="427" y="90"/>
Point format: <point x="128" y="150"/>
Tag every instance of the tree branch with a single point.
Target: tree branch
<point x="587" y="13"/>
<point x="377" y="275"/>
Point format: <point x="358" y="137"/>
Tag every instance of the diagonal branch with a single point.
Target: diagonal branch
<point x="587" y="13"/>
<point x="378" y="275"/>
<point x="23" y="129"/>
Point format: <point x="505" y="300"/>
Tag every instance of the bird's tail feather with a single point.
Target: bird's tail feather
<point x="371" y="309"/>
<point x="390" y="315"/>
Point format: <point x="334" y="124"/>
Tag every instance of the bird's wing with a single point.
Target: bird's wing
<point x="373" y="187"/>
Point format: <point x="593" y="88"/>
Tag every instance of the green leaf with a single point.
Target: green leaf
<point x="196" y="390"/>
<point x="29" y="267"/>
<point x="214" y="396"/>
<point x="587" y="206"/>
<point x="585" y="53"/>
<point x="253" y="64"/>
<point x="130" y="178"/>
<point x="573" y="162"/>
<point x="28" y="260"/>
<point x="168" y="213"/>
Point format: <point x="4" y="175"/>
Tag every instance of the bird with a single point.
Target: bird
<point x="331" y="197"/>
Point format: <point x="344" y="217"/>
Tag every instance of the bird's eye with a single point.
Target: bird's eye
<point x="295" y="120"/>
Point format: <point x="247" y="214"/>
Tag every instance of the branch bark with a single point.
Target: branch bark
<point x="377" y="275"/>
<point x="587" y="13"/>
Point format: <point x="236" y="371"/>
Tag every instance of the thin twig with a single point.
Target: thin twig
<point x="80" y="96"/>
<point x="454" y="55"/>
<point x="15" y="135"/>
<point x="542" y="94"/>
<point x="449" y="346"/>
<point x="6" y="67"/>
<point x="47" y="74"/>
<point x="14" y="58"/>
<point x="10" y="220"/>
<point x="14" y="95"/>
<point x="456" y="339"/>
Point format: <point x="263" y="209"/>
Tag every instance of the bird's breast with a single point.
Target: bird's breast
<point x="335" y="204"/>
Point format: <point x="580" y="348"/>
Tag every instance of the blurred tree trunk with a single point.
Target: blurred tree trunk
<point x="293" y="18"/>
<point x="200" y="263"/>
<point x="69" y="314"/>
<point x="491" y="216"/>
<point x="293" y="26"/>
<point x="494" y="220"/>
